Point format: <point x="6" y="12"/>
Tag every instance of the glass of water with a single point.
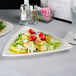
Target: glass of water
<point x="74" y="19"/>
<point x="71" y="36"/>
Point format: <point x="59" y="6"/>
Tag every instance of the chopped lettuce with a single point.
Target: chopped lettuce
<point x="15" y="44"/>
<point x="54" y="44"/>
<point x="1" y="22"/>
<point x="2" y="26"/>
<point x="19" y="37"/>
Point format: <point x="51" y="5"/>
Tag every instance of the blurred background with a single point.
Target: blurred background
<point x="15" y="4"/>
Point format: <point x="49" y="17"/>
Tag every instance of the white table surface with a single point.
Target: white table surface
<point x="56" y="64"/>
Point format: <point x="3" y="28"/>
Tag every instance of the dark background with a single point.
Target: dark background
<point x="15" y="4"/>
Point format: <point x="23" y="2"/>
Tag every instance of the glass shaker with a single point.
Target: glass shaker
<point x="25" y="17"/>
<point x="44" y="3"/>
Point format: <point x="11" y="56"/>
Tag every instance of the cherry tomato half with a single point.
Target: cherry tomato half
<point x="42" y="36"/>
<point x="33" y="37"/>
<point x="31" y="31"/>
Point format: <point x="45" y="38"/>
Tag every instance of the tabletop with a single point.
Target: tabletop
<point x="55" y="64"/>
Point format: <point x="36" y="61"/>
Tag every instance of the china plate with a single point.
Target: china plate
<point x="8" y="27"/>
<point x="6" y="52"/>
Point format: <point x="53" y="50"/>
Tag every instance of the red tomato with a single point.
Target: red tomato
<point x="33" y="37"/>
<point x="42" y="36"/>
<point x="31" y="31"/>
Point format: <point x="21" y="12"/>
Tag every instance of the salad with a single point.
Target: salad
<point x="2" y="27"/>
<point x="32" y="41"/>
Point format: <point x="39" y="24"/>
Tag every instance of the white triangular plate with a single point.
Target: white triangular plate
<point x="6" y="52"/>
<point x="8" y="27"/>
